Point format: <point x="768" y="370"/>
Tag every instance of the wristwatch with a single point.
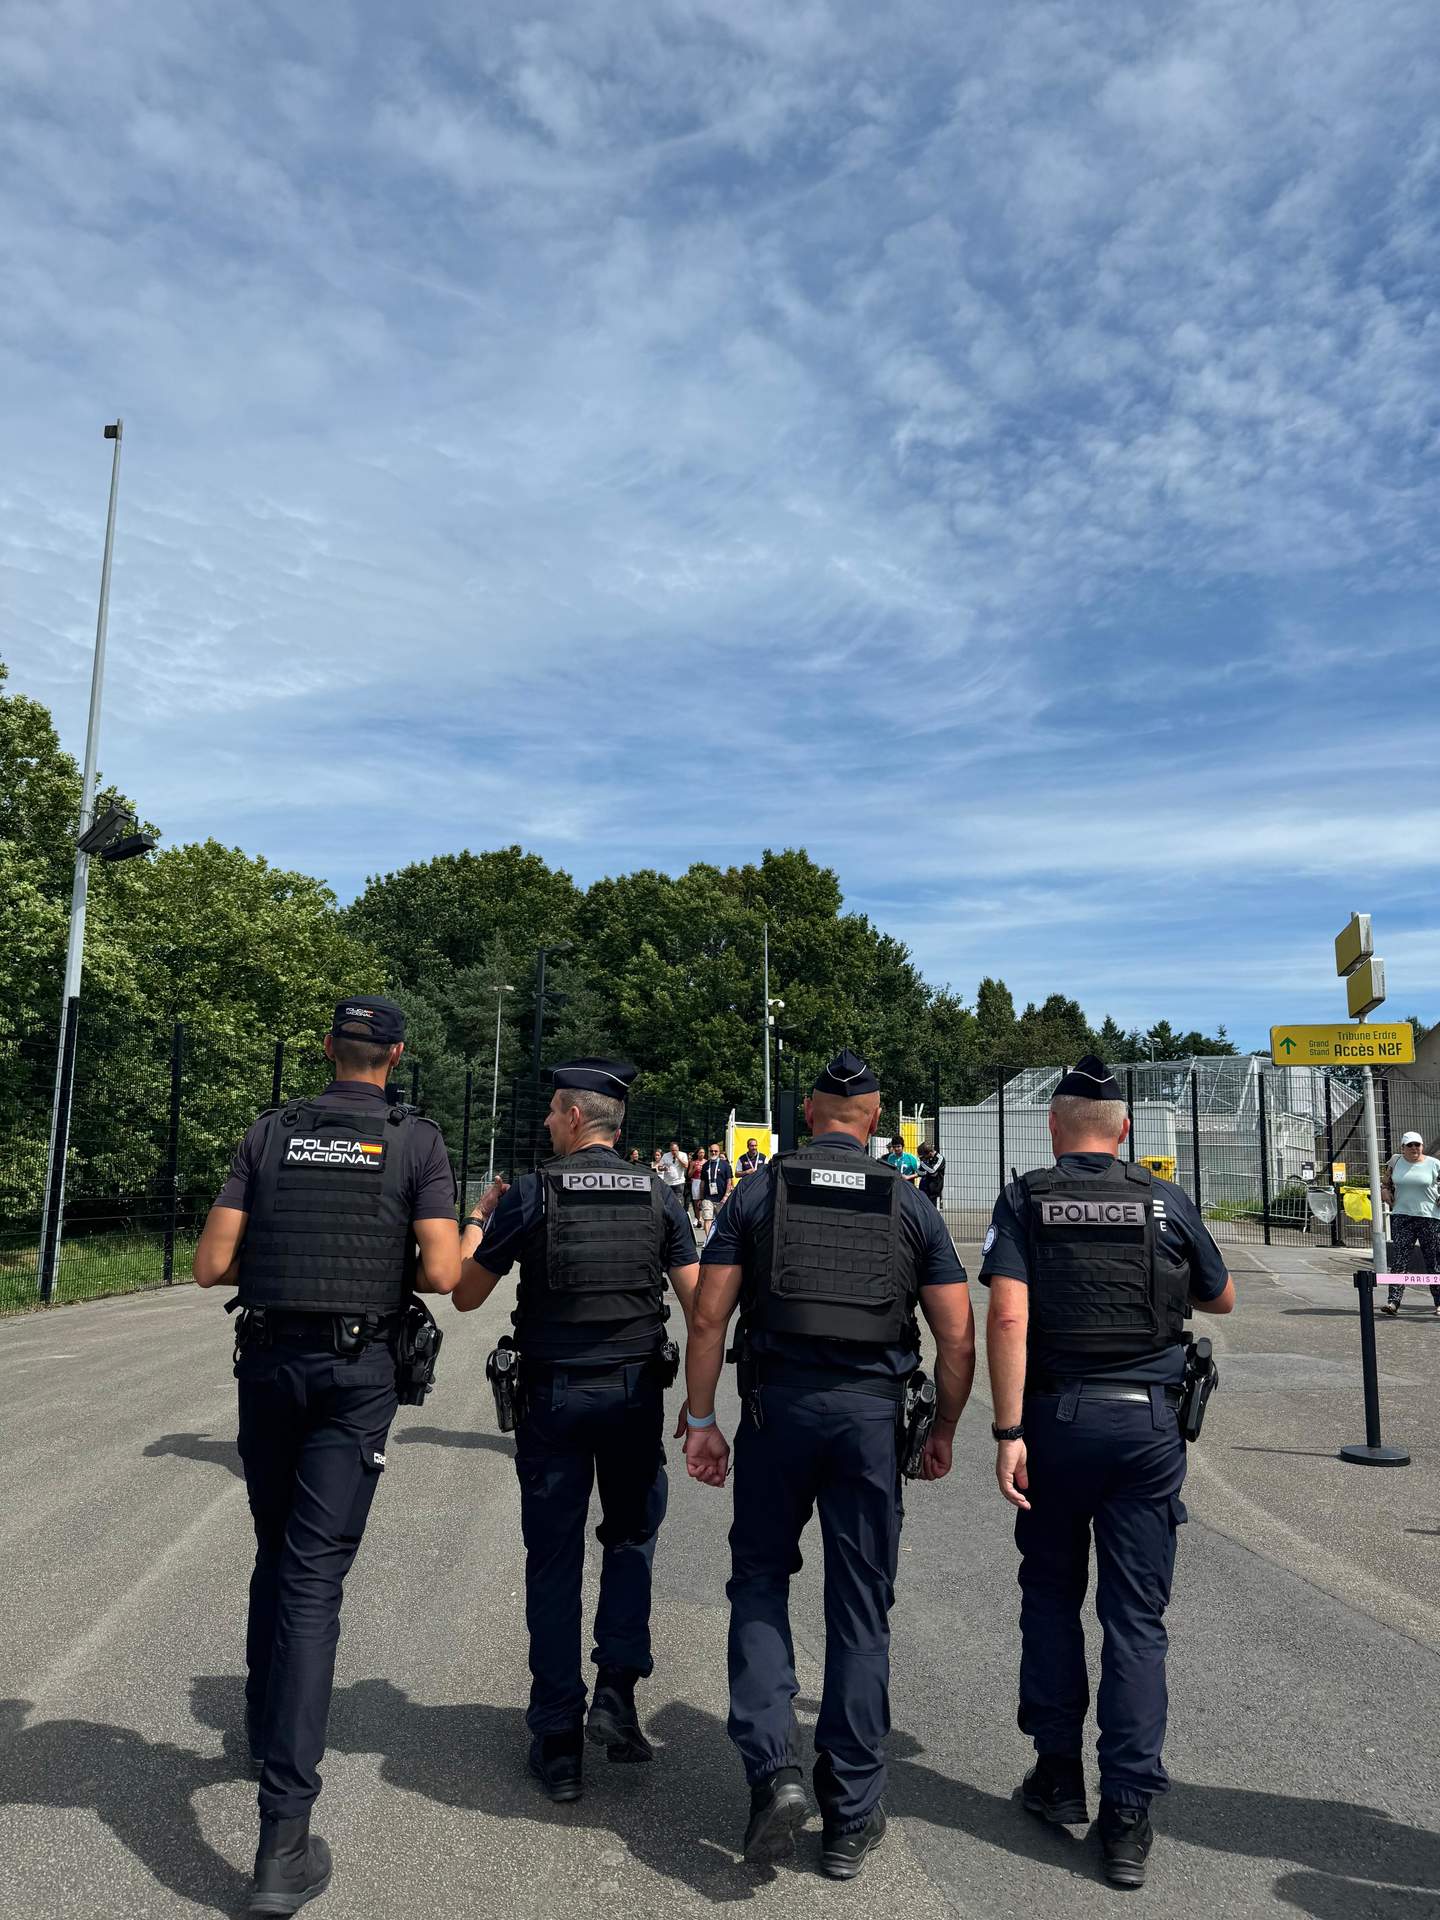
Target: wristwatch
<point x="1007" y="1433"/>
<point x="479" y="1220"/>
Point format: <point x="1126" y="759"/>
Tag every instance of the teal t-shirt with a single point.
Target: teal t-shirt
<point x="1417" y="1187"/>
<point x="904" y="1162"/>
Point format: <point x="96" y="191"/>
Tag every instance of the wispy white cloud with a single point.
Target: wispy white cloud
<point x="996" y="452"/>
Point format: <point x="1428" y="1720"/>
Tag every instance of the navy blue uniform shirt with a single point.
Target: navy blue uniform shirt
<point x="1006" y="1252"/>
<point x="742" y="1233"/>
<point x="432" y="1180"/>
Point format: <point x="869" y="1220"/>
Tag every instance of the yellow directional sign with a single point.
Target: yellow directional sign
<point x="1372" y="1045"/>
<point x="1353" y="945"/>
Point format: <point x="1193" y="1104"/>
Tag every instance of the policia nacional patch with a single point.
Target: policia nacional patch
<point x="312" y="1150"/>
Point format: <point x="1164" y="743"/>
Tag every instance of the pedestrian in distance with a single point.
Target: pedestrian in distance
<point x="827" y="1252"/>
<point x="595" y="1238"/>
<point x="1412" y="1181"/>
<point x="1093" y="1266"/>
<point x="932" y="1172"/>
<point x="318" y="1226"/>
<point x="696" y="1168"/>
<point x="715" y="1178"/>
<point x="904" y="1162"/>
<point x="673" y="1164"/>
<point x="750" y="1161"/>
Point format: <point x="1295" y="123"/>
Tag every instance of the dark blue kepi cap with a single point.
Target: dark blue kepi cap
<point x="846" y="1077"/>
<point x="1089" y="1079"/>
<point x="365" y="1017"/>
<point x="610" y="1077"/>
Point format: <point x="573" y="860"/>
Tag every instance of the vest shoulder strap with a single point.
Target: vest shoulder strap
<point x="1141" y="1176"/>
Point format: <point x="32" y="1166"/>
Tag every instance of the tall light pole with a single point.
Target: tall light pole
<point x="537" y="1041"/>
<point x="769" y="1023"/>
<point x="53" y="1216"/>
<point x="500" y="993"/>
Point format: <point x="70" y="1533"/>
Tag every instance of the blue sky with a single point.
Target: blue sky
<point x="992" y="447"/>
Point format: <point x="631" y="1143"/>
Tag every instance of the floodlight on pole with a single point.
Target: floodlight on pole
<point x="52" y="1218"/>
<point x="500" y="993"/>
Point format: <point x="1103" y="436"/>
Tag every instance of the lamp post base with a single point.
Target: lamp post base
<point x="1375" y="1456"/>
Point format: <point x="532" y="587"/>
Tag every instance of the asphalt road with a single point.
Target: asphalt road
<point x="1305" y="1665"/>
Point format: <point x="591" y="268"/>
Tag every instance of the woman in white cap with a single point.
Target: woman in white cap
<point x="1413" y="1177"/>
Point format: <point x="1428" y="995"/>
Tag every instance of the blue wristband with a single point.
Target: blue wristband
<point x="691" y="1421"/>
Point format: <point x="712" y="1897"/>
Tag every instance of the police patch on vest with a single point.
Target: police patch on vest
<point x="829" y="1177"/>
<point x="605" y="1182"/>
<point x="309" y="1150"/>
<point x="1091" y="1213"/>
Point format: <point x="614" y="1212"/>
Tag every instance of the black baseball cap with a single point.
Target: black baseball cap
<point x="364" y="1016"/>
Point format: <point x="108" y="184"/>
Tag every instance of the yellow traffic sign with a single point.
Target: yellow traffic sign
<point x="1355" y="944"/>
<point x="1365" y="988"/>
<point x="1368" y="1045"/>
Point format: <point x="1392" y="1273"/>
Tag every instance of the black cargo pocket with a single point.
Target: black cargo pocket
<point x="1178" y="1512"/>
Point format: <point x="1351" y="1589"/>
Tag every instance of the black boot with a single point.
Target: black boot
<point x="292" y="1865"/>
<point x="842" y="1855"/>
<point x="777" y="1807"/>
<point x="613" y="1722"/>
<point x="1055" y="1789"/>
<point x="556" y="1762"/>
<point x="1126" y="1837"/>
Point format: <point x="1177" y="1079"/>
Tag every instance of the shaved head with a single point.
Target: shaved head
<point x="832" y="1113"/>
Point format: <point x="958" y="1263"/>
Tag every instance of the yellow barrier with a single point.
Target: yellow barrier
<point x="1162" y="1165"/>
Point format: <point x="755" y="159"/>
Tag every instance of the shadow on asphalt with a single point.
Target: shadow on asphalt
<point x="143" y="1790"/>
<point x="197" y="1446"/>
<point x="670" y="1815"/>
<point x="451" y="1437"/>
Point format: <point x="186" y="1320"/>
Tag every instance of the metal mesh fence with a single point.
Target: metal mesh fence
<point x="150" y="1144"/>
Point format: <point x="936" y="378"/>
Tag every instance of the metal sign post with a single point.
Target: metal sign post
<point x="1364" y="978"/>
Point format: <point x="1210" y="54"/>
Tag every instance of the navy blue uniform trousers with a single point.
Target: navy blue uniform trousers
<point x="1114" y="1468"/>
<point x="581" y="1429"/>
<point x="836" y="1450"/>
<point x="313" y="1427"/>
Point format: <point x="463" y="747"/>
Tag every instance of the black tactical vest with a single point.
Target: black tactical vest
<point x="838" y="1266"/>
<point x="594" y="1261"/>
<point x="329" y="1227"/>
<point x="1104" y="1288"/>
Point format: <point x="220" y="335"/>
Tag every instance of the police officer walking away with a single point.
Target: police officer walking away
<point x="1093" y="1266"/>
<point x="595" y="1238"/>
<point x="827" y="1252"/>
<point x="317" y="1225"/>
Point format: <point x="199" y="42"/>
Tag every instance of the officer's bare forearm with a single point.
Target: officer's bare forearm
<point x="1006" y="1326"/>
<point x="477" y="1283"/>
<point x="714" y="1302"/>
<point x="954" y="1377"/>
<point x="686" y="1281"/>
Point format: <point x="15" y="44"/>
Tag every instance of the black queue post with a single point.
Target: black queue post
<point x="1372" y="1453"/>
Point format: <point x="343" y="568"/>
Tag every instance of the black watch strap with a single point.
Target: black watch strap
<point x="1007" y="1433"/>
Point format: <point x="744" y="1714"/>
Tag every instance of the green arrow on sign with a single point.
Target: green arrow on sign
<point x="1288" y="1044"/>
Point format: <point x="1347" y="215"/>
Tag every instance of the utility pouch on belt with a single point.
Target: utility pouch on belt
<point x="669" y="1361"/>
<point x="1202" y="1377"/>
<point x="919" y="1423"/>
<point x="502" y="1370"/>
<point x="417" y="1349"/>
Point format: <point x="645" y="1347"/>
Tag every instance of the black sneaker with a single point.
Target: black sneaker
<point x="777" y="1807"/>
<point x="842" y="1855"/>
<point x="1055" y="1789"/>
<point x="292" y="1865"/>
<point x="613" y="1722"/>
<point x="556" y="1762"/>
<point x="1126" y="1837"/>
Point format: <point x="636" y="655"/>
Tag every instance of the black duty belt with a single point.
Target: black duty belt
<point x="828" y="1380"/>
<point x="593" y="1369"/>
<point x="1134" y="1391"/>
<point x="296" y="1328"/>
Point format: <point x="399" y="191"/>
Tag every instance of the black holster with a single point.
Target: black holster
<point x="502" y="1370"/>
<point x="668" y="1361"/>
<point x="417" y="1350"/>
<point x="917" y="1423"/>
<point x="747" y="1376"/>
<point x="1202" y="1377"/>
<point x="250" y="1329"/>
